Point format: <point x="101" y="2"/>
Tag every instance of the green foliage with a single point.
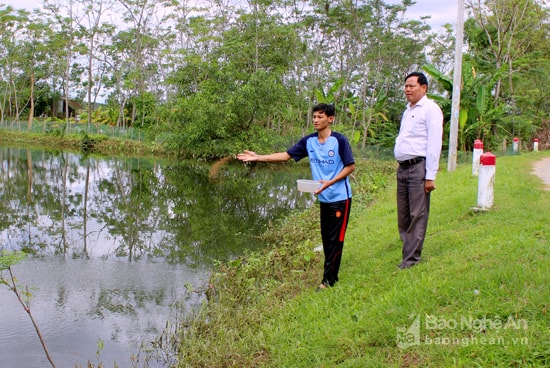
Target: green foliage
<point x="55" y="127"/>
<point x="496" y="38"/>
<point x="379" y="129"/>
<point x="220" y="117"/>
<point x="445" y="81"/>
<point x="227" y="97"/>
<point x="145" y="105"/>
<point x="345" y="102"/>
<point x="100" y="116"/>
<point x="8" y="259"/>
<point x="370" y="178"/>
<point x="88" y="142"/>
<point x="329" y="96"/>
<point x="480" y="115"/>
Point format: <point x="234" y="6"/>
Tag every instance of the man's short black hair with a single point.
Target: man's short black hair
<point x="328" y="109"/>
<point x="422" y="80"/>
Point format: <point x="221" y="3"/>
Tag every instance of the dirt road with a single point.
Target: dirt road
<point x="541" y="169"/>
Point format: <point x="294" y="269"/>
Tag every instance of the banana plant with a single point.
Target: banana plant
<point x="334" y="95"/>
<point x="374" y="114"/>
<point x="478" y="117"/>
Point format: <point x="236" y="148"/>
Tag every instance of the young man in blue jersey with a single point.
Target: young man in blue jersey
<point x="331" y="162"/>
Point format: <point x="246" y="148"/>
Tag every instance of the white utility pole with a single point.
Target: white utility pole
<point x="457" y="82"/>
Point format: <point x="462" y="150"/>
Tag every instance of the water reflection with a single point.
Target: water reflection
<point x="116" y="243"/>
<point x="86" y="207"/>
<point x="77" y="302"/>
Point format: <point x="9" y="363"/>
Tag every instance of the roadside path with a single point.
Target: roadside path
<point x="541" y="169"/>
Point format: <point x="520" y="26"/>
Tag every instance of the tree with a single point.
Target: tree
<point x="14" y="85"/>
<point x="502" y="33"/>
<point x="64" y="43"/>
<point x="91" y="28"/>
<point x="139" y="44"/>
<point x="35" y="57"/>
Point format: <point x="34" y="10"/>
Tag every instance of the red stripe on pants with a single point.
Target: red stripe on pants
<point x="344" y="223"/>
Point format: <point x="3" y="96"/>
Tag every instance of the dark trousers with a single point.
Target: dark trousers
<point x="334" y="222"/>
<point x="413" y="208"/>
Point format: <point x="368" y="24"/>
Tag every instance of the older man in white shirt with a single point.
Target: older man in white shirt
<point x="417" y="150"/>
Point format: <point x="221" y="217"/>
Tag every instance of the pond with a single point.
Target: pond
<point x="120" y="249"/>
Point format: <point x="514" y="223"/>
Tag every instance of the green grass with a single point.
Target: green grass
<point x="91" y="144"/>
<point x="489" y="268"/>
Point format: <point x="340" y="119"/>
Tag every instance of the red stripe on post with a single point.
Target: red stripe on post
<point x="488" y="159"/>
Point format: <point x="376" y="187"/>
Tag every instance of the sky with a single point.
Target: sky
<point x="26" y="4"/>
<point x="441" y="11"/>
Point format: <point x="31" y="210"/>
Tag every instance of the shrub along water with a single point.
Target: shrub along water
<point x="479" y="298"/>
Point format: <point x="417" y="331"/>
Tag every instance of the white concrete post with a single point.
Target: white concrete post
<point x="478" y="150"/>
<point x="515" y="145"/>
<point x="485" y="193"/>
<point x="536" y="145"/>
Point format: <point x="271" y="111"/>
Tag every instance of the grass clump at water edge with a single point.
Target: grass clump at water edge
<point x="479" y="298"/>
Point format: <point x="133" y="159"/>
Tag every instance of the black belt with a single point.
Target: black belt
<point x="408" y="163"/>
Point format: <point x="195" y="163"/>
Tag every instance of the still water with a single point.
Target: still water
<point x="120" y="249"/>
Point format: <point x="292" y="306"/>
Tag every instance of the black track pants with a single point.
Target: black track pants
<point x="334" y="222"/>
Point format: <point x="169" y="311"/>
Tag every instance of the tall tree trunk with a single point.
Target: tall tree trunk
<point x="31" y="111"/>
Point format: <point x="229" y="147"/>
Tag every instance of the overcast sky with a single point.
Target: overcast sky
<point x="27" y="4"/>
<point x="441" y="11"/>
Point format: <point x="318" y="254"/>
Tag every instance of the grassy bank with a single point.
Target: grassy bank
<point x="91" y="144"/>
<point x="479" y="298"/>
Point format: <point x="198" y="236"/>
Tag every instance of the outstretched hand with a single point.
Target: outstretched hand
<point x="247" y="156"/>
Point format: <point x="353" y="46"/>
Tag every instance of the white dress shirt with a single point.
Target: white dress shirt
<point x="421" y="134"/>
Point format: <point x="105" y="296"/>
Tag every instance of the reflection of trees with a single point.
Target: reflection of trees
<point x="136" y="206"/>
<point x="80" y="206"/>
<point x="127" y="300"/>
<point x="85" y="211"/>
<point x="16" y="202"/>
<point x="63" y="231"/>
<point x="213" y="220"/>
